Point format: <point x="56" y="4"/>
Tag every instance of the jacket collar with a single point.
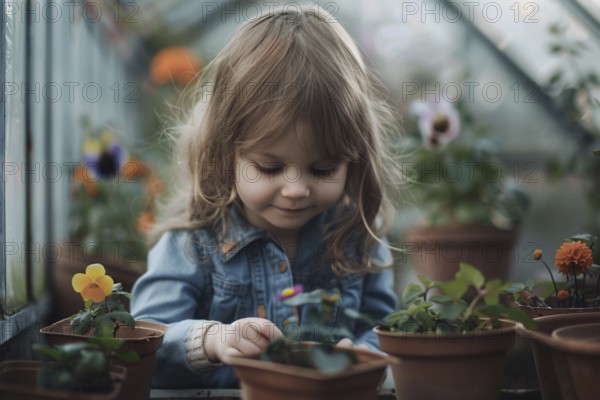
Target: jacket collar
<point x="239" y="233"/>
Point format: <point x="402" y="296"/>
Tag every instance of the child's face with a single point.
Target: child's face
<point x="285" y="184"/>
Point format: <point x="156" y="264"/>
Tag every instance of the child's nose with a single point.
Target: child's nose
<point x="295" y="188"/>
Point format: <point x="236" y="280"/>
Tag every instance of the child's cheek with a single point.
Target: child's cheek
<point x="255" y="192"/>
<point x="329" y="190"/>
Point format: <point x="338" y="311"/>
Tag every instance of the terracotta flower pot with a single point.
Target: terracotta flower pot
<point x="73" y="259"/>
<point x="438" y="251"/>
<point x="581" y="347"/>
<point x="554" y="377"/>
<point x="448" y="367"/>
<point x="543" y="311"/>
<point x="263" y="380"/>
<point x="18" y="382"/>
<point x="145" y="339"/>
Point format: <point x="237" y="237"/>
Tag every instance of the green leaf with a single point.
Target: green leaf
<point x="446" y="328"/>
<point x="529" y="283"/>
<point x="425" y="281"/>
<point x="313" y="297"/>
<point x="441" y="299"/>
<point x="91" y="362"/>
<point x="452" y="311"/>
<point x="493" y="290"/>
<point x="488" y="311"/>
<point x="455" y="289"/>
<point x="518" y="315"/>
<point x="409" y="326"/>
<point x="117" y="287"/>
<point x="396" y="318"/>
<point x="470" y="274"/>
<point x="104" y="327"/>
<point x="425" y="320"/>
<point x="49" y="351"/>
<point x="327" y="359"/>
<point x="415" y="308"/>
<point x="411" y="292"/>
<point x="354" y="314"/>
<point x="515" y="287"/>
<point x="587" y="238"/>
<point x="121" y="316"/>
<point x="107" y="343"/>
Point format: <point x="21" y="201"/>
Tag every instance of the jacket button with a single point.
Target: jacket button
<point x="227" y="247"/>
<point x="282" y="266"/>
<point x="261" y="312"/>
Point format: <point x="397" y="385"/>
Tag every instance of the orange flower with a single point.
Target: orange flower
<point x="174" y="64"/>
<point x="573" y="258"/>
<point x="82" y="178"/>
<point x="94" y="284"/>
<point x="145" y="221"/>
<point x="563" y="294"/>
<point x="135" y="168"/>
<point x="537" y="254"/>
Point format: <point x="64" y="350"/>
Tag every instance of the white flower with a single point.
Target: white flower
<point x="439" y="123"/>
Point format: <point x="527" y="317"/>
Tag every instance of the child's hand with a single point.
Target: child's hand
<point x="244" y="337"/>
<point x="349" y="343"/>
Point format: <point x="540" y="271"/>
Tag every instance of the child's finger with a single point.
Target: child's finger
<point x="261" y="326"/>
<point x="345" y="343"/>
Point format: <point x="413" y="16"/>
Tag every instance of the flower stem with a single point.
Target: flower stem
<point x="551" y="277"/>
<point x="576" y="290"/>
<point x="471" y="306"/>
<point x="583" y="304"/>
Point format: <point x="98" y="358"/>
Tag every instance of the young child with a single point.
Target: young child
<point x="283" y="161"/>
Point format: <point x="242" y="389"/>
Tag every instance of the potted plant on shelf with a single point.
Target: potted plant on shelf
<point x="470" y="211"/>
<point x="295" y="369"/>
<point x="450" y="348"/>
<point x="557" y="304"/>
<point x="79" y="371"/>
<point x="580" y="292"/>
<point x="105" y="316"/>
<point x="111" y="208"/>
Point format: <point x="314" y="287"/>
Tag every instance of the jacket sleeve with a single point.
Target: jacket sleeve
<point x="378" y="297"/>
<point x="169" y="293"/>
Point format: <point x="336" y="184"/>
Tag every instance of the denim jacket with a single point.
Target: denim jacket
<point x="194" y="275"/>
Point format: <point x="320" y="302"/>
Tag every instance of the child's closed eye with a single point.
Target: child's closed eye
<point x="324" y="172"/>
<point x="270" y="169"/>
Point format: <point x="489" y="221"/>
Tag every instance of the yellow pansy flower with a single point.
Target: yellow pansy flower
<point x="94" y="284"/>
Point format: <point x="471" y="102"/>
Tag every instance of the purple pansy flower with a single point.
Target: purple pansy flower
<point x="104" y="156"/>
<point x="439" y="122"/>
<point x="290" y="292"/>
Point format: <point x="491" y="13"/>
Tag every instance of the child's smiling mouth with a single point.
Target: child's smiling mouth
<point x="292" y="210"/>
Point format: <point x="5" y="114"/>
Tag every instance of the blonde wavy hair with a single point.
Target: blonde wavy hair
<point x="289" y="65"/>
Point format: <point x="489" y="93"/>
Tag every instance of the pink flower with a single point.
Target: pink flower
<point x="439" y="123"/>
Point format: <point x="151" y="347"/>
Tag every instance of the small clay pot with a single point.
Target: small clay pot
<point x="264" y="380"/>
<point x="450" y="366"/>
<point x="18" y="382"/>
<point x="145" y="339"/>
<point x="555" y="379"/>
<point x="581" y="347"/>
